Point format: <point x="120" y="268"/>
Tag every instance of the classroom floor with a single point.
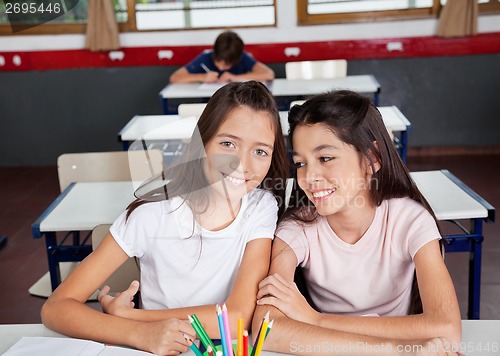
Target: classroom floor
<point x="26" y="191"/>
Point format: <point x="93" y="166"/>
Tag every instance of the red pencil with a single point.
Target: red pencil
<point x="245" y="343"/>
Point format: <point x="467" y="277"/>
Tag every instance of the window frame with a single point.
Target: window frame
<point x="493" y="6"/>
<point x="305" y="19"/>
<point x="129" y="26"/>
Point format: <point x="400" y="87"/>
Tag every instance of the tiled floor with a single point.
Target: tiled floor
<point x="25" y="192"/>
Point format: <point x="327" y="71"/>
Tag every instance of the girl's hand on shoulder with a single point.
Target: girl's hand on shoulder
<point x="121" y="302"/>
<point x="277" y="291"/>
<point x="164" y="337"/>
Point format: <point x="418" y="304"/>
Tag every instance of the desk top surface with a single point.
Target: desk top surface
<point x="87" y="205"/>
<point x="279" y="87"/>
<point x="173" y="127"/>
<point x="477" y="335"/>
<point x="447" y="199"/>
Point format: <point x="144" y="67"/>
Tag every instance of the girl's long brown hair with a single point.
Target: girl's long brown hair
<point x="358" y="123"/>
<point x="187" y="179"/>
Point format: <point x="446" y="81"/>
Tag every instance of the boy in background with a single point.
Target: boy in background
<point x="226" y="62"/>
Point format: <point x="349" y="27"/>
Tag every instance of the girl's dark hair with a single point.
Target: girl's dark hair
<point x="187" y="177"/>
<point x="357" y="122"/>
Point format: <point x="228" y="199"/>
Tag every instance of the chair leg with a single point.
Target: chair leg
<point x="3" y="240"/>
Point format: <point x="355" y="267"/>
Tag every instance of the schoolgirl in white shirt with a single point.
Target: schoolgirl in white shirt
<point x="202" y="232"/>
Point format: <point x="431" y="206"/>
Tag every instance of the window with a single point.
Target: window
<point x="488" y="6"/>
<point x="137" y="15"/>
<point x="51" y="16"/>
<point x="331" y="11"/>
<point x="183" y="14"/>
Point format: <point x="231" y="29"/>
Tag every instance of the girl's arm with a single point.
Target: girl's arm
<point x="440" y="317"/>
<point x="298" y="337"/>
<point x="240" y="303"/>
<point x="65" y="310"/>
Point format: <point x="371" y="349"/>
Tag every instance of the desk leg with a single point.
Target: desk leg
<point x="475" y="270"/>
<point x="404" y="146"/>
<point x="376" y="98"/>
<point x="166" y="111"/>
<point x="55" y="273"/>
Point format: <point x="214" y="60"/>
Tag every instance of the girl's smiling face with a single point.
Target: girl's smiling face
<point x="331" y="173"/>
<point x="239" y="155"/>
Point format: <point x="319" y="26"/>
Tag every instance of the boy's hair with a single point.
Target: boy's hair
<point x="187" y="177"/>
<point x="228" y="47"/>
<point x="357" y="122"/>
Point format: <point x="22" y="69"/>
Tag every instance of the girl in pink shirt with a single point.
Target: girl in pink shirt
<point x="360" y="231"/>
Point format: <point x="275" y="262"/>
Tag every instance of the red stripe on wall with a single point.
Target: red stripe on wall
<point x="267" y="53"/>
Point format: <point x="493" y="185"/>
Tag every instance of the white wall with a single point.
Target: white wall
<point x="286" y="31"/>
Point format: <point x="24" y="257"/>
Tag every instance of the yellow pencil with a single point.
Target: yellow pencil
<point x="262" y="335"/>
<point x="239" y="349"/>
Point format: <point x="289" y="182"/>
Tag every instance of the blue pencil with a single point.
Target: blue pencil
<point x="221" y="330"/>
<point x="193" y="347"/>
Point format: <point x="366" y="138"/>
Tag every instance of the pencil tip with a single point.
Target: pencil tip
<point x="266" y="317"/>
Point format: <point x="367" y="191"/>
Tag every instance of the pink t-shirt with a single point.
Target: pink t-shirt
<point x="375" y="274"/>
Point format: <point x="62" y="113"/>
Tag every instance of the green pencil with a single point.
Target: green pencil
<point x="200" y="330"/>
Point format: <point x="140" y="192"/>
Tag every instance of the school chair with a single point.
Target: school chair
<point x="111" y="166"/>
<point x="332" y="68"/>
<point x="297" y="102"/>
<point x="187" y="110"/>
<point x="125" y="274"/>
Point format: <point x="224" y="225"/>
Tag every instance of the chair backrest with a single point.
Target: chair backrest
<point x="333" y="68"/>
<point x="297" y="102"/>
<point x="187" y="110"/>
<point x="123" y="276"/>
<point x="108" y="166"/>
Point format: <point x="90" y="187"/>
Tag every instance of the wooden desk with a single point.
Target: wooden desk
<point x="161" y="128"/>
<point x="452" y="200"/>
<point x="80" y="207"/>
<point x="479" y="337"/>
<point x="280" y="88"/>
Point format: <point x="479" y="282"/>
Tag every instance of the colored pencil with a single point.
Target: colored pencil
<point x="227" y="329"/>
<point x="221" y="329"/>
<point x="193" y="347"/>
<point x="209" y="340"/>
<point x="245" y="343"/>
<point x="200" y="331"/>
<point x="269" y="327"/>
<point x="210" y="352"/>
<point x="262" y="335"/>
<point x="239" y="344"/>
<point x="259" y="341"/>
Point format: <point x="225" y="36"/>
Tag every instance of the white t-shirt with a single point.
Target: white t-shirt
<point x="183" y="264"/>
<point x="372" y="276"/>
